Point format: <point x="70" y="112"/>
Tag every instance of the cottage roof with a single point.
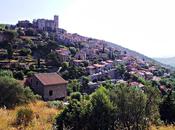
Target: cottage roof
<point x="98" y="65"/>
<point x="50" y="79"/>
<point x="90" y="67"/>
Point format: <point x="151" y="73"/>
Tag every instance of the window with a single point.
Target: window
<point x="50" y="92"/>
<point x="37" y="83"/>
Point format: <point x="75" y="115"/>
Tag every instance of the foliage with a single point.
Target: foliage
<point x="18" y="75"/>
<point x="73" y="86"/>
<point x="76" y="95"/>
<point x="55" y="104"/>
<point x="102" y="111"/>
<point x="53" y="59"/>
<point x="95" y="113"/>
<point x="10" y="34"/>
<point x="12" y="93"/>
<point x="24" y="116"/>
<point x="7" y="73"/>
<point x="121" y="70"/>
<point x="84" y="85"/>
<point x="167" y="108"/>
<point x="73" y="50"/>
<point x="25" y="52"/>
<point x="135" y="109"/>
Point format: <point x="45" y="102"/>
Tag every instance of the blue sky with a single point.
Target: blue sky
<point x="147" y="26"/>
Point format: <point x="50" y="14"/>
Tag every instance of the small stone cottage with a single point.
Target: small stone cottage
<point x="50" y="86"/>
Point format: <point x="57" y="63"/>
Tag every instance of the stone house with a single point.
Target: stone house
<point x="63" y="54"/>
<point x="50" y="86"/>
<point x="80" y="55"/>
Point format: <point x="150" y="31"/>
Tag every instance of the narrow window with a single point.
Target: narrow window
<point x="50" y="92"/>
<point x="37" y="83"/>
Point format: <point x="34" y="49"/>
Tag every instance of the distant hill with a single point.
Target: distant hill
<point x="169" y="61"/>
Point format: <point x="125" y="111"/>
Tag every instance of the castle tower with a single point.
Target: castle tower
<point x="56" y="21"/>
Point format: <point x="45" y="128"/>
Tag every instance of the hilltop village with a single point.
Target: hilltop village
<point x="41" y="54"/>
<point x="52" y="79"/>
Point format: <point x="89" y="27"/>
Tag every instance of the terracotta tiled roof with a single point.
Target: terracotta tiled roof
<point x="98" y="65"/>
<point x="50" y="79"/>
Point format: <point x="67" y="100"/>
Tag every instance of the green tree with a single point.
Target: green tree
<point x="18" y="75"/>
<point x="135" y="109"/>
<point x="12" y="93"/>
<point x="85" y="81"/>
<point x="73" y="86"/>
<point x="121" y="70"/>
<point x="167" y="108"/>
<point x="102" y="111"/>
<point x="73" y="50"/>
<point x="7" y="73"/>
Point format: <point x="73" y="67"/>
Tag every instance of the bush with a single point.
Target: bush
<point x="7" y="73"/>
<point x="18" y="75"/>
<point x="76" y="95"/>
<point x="12" y="93"/>
<point x="25" y="52"/>
<point x="24" y="116"/>
<point x="55" y="104"/>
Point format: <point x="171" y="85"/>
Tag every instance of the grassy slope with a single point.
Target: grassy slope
<point x="44" y="117"/>
<point x="163" y="128"/>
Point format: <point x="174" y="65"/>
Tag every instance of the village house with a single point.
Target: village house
<point x="63" y="54"/>
<point x="50" y="86"/>
<point x="79" y="62"/>
<point x="90" y="69"/>
<point x="80" y="55"/>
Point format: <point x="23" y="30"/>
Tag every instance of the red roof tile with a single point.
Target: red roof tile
<point x="50" y="79"/>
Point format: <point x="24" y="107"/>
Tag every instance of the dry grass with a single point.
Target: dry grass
<point x="164" y="128"/>
<point x="43" y="120"/>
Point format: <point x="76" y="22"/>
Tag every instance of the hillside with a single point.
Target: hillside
<point x="69" y="38"/>
<point x="95" y="70"/>
<point x="43" y="117"/>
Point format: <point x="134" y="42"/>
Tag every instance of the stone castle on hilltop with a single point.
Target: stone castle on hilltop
<point x="41" y="24"/>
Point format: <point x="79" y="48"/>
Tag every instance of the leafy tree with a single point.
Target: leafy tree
<point x="65" y="65"/>
<point x="30" y="32"/>
<point x="167" y="108"/>
<point x="76" y="95"/>
<point x="25" y="52"/>
<point x="121" y="70"/>
<point x="12" y="93"/>
<point x="18" y="75"/>
<point x="135" y="109"/>
<point x="83" y="114"/>
<point x="73" y="86"/>
<point x="102" y="111"/>
<point x="10" y="35"/>
<point x="73" y="116"/>
<point x="53" y="59"/>
<point x="85" y="81"/>
<point x="7" y="73"/>
<point x="73" y="50"/>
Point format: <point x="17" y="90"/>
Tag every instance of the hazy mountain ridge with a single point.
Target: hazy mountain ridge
<point x="169" y="61"/>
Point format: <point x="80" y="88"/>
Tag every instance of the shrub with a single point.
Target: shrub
<point x="24" y="116"/>
<point x="55" y="104"/>
<point x="25" y="52"/>
<point x="76" y="95"/>
<point x="18" y="75"/>
<point x="7" y="73"/>
<point x="12" y="93"/>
